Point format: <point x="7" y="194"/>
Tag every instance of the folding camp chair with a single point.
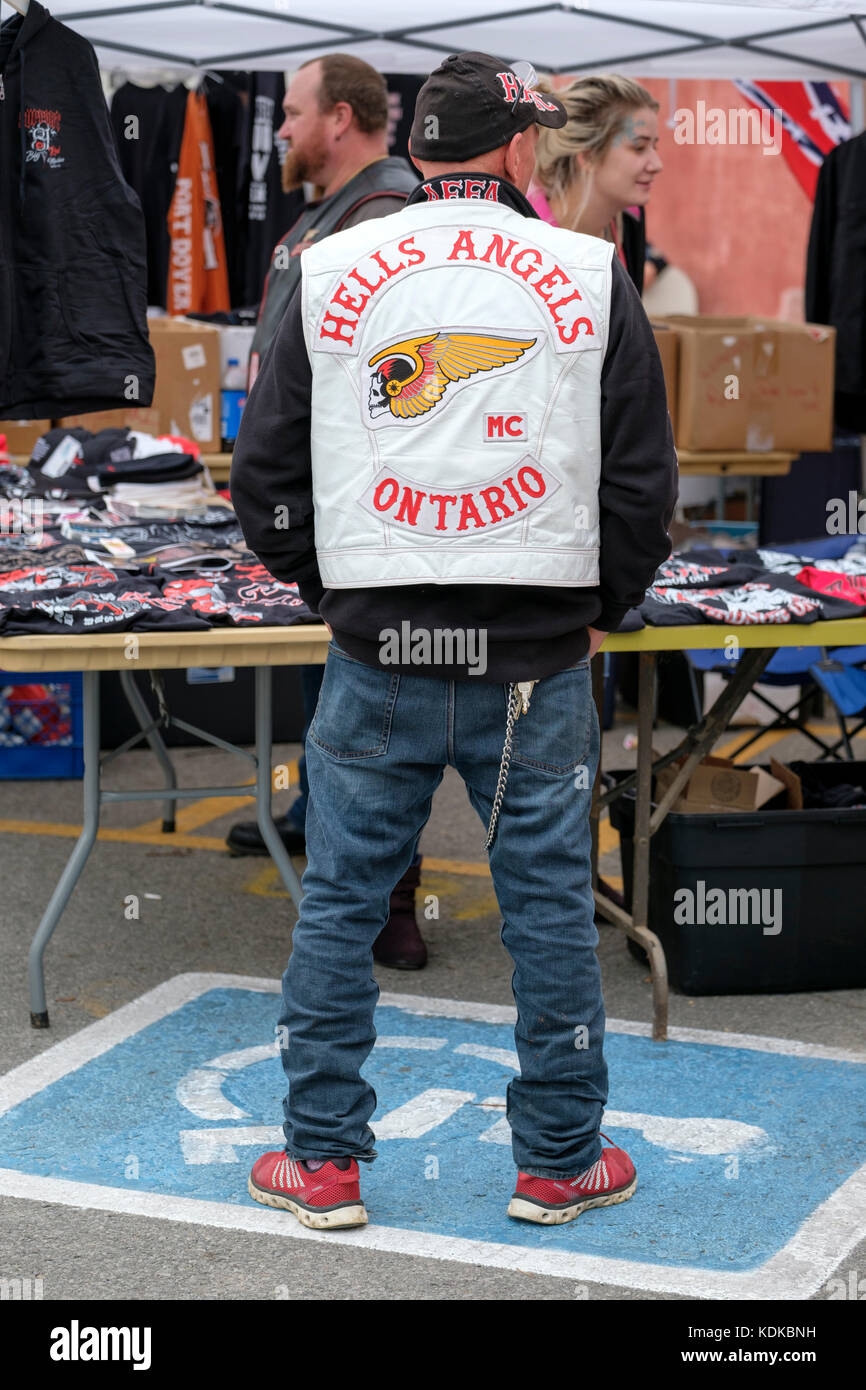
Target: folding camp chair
<point x="788" y="666"/>
<point x="844" y="684"/>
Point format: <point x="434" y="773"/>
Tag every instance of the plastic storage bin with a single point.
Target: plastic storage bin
<point x="816" y="859"/>
<point x="41" y="725"/>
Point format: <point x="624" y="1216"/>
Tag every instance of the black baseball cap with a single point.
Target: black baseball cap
<point x="479" y="102"/>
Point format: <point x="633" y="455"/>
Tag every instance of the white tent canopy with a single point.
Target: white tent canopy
<point x="653" y="38"/>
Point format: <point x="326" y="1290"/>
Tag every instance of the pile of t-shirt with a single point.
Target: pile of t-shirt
<point x="77" y="557"/>
<point x="746" y="587"/>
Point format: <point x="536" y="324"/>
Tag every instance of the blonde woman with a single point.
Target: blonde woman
<point x="595" y="174"/>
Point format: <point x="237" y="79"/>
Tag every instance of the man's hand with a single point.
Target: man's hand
<point x="596" y="637"/>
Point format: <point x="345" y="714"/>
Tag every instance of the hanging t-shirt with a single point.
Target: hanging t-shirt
<point x="148" y="127"/>
<point x="197" y="274"/>
<point x="265" y="212"/>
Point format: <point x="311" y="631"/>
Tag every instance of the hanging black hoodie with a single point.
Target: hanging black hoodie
<point x="73" y="275"/>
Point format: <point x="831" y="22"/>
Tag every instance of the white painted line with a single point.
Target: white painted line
<point x="408" y="1040"/>
<point x="420" y="1114"/>
<point x="490" y="1054"/>
<point x="200" y="1092"/>
<point x="695" y="1134"/>
<point x="218" y="1145"/>
<point x="797" y="1271"/>
<point x="500" y="1133"/>
<point x="94" y="1039"/>
<point x="244" y="1057"/>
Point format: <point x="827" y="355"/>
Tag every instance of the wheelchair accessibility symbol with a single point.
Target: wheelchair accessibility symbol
<point x="201" y="1092"/>
<point x="750" y="1151"/>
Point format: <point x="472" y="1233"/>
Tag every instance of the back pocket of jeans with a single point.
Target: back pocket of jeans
<point x="554" y="735"/>
<point x="355" y="708"/>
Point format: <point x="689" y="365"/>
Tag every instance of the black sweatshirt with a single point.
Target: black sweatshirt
<point x="531" y="631"/>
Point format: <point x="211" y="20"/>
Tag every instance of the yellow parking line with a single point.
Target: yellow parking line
<point x="608" y="838"/>
<point x="210" y="808"/>
<point x="129" y="836"/>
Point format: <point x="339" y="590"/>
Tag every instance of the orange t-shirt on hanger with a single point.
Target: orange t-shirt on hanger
<point x="197" y="275"/>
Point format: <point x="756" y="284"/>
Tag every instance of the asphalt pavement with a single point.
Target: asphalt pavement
<point x="202" y="911"/>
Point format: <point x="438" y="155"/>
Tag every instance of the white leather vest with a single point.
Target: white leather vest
<point x="456" y="352"/>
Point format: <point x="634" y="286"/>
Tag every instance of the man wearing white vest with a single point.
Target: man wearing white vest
<point x="462" y="419"/>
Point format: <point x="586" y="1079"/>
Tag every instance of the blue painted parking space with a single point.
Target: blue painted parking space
<point x="749" y="1153"/>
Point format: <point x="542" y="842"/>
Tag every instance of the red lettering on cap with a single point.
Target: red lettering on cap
<point x="541" y="103"/>
<point x="510" y="84"/>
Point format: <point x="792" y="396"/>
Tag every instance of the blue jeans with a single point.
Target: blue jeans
<point x="311" y="684"/>
<point x="376" y="752"/>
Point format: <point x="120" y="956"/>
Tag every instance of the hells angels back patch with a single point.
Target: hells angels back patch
<point x="404" y="381"/>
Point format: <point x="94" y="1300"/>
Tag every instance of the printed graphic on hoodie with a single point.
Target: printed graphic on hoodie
<point x="43" y="133"/>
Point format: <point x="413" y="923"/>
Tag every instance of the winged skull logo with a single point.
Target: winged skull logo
<point x="411" y="377"/>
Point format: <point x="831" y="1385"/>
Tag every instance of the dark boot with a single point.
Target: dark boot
<point x="399" y="943"/>
<point x="246" y="838"/>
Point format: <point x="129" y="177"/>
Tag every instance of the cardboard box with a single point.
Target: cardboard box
<point x="715" y="383"/>
<point x="21" y="435"/>
<point x="144" y="418"/>
<point x="187" y="393"/>
<point x="799" y="391"/>
<point x="717" y="785"/>
<point x="668" y="344"/>
<point x="753" y="384"/>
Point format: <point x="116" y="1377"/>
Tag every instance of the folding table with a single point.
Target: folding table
<point x="307" y="644"/>
<point x="129" y="653"/>
<point x="758" y="644"/>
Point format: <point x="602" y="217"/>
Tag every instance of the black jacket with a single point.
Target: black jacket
<point x="383" y="178"/>
<point x="73" y="328"/>
<point x="532" y="631"/>
<point x="836" y="272"/>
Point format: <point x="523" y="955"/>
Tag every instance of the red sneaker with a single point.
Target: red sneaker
<point x="328" y="1197"/>
<point x="552" y="1201"/>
